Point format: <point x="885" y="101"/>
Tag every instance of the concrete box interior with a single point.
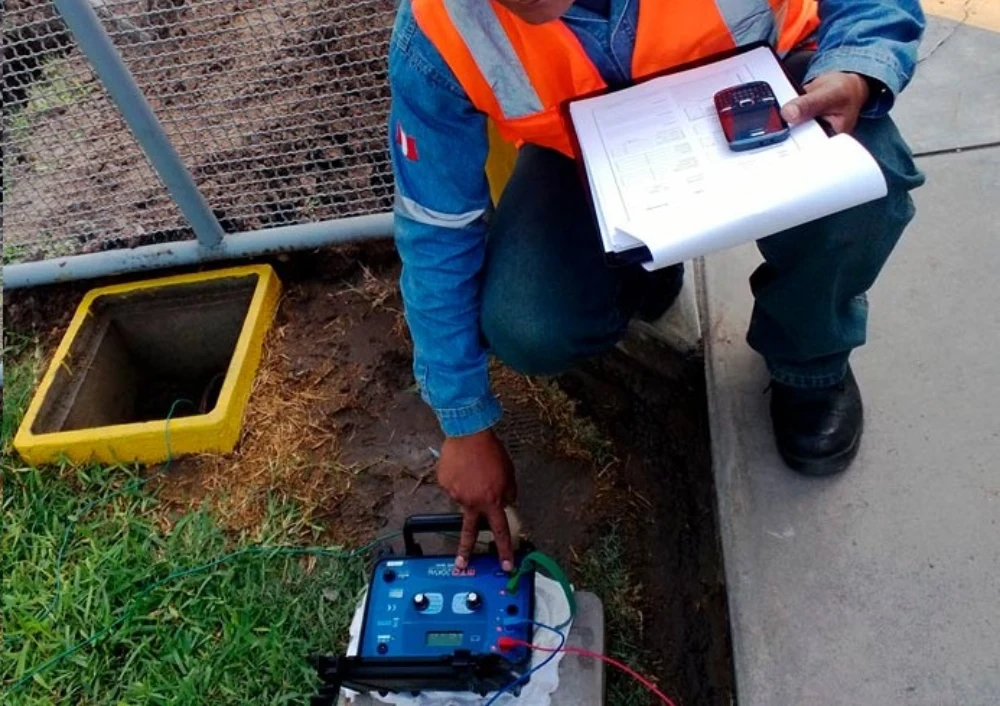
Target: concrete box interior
<point x="139" y="352"/>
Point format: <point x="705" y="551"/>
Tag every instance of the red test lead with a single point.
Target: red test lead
<point x="509" y="643"/>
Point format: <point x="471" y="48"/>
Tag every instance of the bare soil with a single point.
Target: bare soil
<point x="335" y="423"/>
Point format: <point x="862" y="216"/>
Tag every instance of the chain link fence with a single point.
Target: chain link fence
<point x="277" y="107"/>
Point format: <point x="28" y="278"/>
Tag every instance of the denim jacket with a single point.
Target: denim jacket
<point x="439" y="146"/>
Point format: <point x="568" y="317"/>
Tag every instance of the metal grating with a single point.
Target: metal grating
<point x="73" y="177"/>
<point x="278" y="108"/>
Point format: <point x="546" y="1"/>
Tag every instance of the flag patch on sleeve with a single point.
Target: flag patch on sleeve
<point x="407" y="143"/>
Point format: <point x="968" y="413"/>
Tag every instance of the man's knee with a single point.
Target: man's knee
<point x="526" y="340"/>
<point x="877" y="225"/>
<point x="868" y="230"/>
<point x="882" y="140"/>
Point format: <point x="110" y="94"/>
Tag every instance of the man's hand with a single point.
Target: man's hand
<point x="477" y="473"/>
<point x="836" y="97"/>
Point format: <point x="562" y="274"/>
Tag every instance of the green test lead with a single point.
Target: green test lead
<point x="538" y="560"/>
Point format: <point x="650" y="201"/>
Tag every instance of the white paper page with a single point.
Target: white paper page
<point x="655" y="154"/>
<point x="781" y="195"/>
<point x="613" y="239"/>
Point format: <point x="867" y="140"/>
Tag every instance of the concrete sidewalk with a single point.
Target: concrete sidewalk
<point x="882" y="586"/>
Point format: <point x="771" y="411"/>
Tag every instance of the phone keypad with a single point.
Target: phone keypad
<point x="747" y="95"/>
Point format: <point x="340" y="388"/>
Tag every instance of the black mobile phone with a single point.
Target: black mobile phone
<point x="750" y="116"/>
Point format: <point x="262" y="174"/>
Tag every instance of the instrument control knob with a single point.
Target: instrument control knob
<point x="473" y="601"/>
<point x="421" y="602"/>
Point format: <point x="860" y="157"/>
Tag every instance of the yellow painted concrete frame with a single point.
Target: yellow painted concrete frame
<point x="146" y="442"/>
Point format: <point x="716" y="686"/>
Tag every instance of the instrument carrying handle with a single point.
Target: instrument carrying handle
<point x="433" y="524"/>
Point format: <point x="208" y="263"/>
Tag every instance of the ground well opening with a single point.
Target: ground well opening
<point x="140" y="352"/>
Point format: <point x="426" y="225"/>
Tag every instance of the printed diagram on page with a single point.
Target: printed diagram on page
<point x="662" y="144"/>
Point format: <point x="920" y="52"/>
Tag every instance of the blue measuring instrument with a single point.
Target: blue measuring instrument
<point x="429" y="626"/>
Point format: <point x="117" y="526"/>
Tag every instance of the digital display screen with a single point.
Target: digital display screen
<point x="753" y="122"/>
<point x="444" y="639"/>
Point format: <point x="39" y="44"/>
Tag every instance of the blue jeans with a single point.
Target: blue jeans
<point x="551" y="301"/>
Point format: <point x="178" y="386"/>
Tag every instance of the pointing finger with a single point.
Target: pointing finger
<point x="502" y="537"/>
<point x="467" y="540"/>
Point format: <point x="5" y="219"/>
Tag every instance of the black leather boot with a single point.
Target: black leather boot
<point x="664" y="287"/>
<point x="818" y="431"/>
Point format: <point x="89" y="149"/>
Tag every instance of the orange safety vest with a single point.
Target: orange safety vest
<point x="520" y="74"/>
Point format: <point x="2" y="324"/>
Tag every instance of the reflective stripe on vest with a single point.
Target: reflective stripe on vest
<point x="521" y="74"/>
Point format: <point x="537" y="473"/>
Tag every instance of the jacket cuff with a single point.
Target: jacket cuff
<point x="470" y="419"/>
<point x="871" y="63"/>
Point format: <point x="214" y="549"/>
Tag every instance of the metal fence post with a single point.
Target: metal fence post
<point x="109" y="66"/>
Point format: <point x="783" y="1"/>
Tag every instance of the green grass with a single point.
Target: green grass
<point x="22" y="358"/>
<point x="237" y="633"/>
<point x="604" y="570"/>
<point x="12" y="254"/>
<point x="54" y="89"/>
